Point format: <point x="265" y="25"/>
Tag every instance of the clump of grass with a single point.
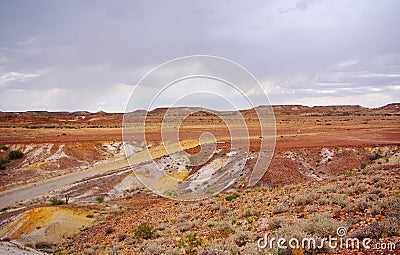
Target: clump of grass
<point x="329" y="188"/>
<point x="361" y="188"/>
<point x="319" y="225"/>
<point x="278" y="222"/>
<point x="99" y="199"/>
<point x="379" y="184"/>
<point x="280" y="208"/>
<point x="241" y="238"/>
<point x="248" y="212"/>
<point x="189" y="243"/>
<point x="145" y="230"/>
<point x="43" y="245"/>
<point x="390" y="225"/>
<point x="306" y="199"/>
<point x="350" y="191"/>
<point x="366" y="202"/>
<point x="386" y="228"/>
<point x="185" y="226"/>
<point x="56" y="201"/>
<point x="231" y="197"/>
<point x="373" y="230"/>
<point x="340" y="200"/>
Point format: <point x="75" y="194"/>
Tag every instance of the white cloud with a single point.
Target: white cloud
<point x="322" y="51"/>
<point x="15" y="76"/>
<point x="20" y="77"/>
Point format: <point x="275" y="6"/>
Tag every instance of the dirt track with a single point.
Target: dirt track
<point x="9" y="197"/>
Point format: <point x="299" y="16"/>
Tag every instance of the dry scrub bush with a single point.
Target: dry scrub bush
<point x="306" y="199"/>
<point x="366" y="202"/>
<point x="219" y="247"/>
<point x="319" y="225"/>
<point x="340" y="200"/>
<point x="145" y="230"/>
<point x="390" y="226"/>
<point x="280" y="208"/>
<point x="277" y="222"/>
<point x="329" y="188"/>
<point x="241" y="238"/>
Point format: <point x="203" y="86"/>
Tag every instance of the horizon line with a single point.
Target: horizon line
<point x="176" y="107"/>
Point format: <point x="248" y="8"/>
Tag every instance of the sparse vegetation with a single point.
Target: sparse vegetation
<point x="43" y="245"/>
<point x="281" y="208"/>
<point x="56" y="201"/>
<point x="145" y="230"/>
<point x="99" y="199"/>
<point x="4" y="209"/>
<point x="15" y="154"/>
<point x="189" y="243"/>
<point x="231" y="197"/>
<point x="362" y="198"/>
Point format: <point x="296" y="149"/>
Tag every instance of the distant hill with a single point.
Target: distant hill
<point x="100" y="119"/>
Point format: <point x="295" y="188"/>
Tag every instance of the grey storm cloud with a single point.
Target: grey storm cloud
<point x="89" y="55"/>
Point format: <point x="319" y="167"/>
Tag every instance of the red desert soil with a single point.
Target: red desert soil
<point x="317" y="170"/>
<point x="83" y="134"/>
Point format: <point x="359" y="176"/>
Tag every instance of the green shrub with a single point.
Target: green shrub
<point x="14" y="154"/>
<point x="4" y="161"/>
<point x="89" y="216"/>
<point x="189" y="242"/>
<point x="4" y="209"/>
<point x="99" y="199"/>
<point x="4" y="148"/>
<point x="363" y="165"/>
<point x="145" y="230"/>
<point x="231" y="197"/>
<point x="56" y="201"/>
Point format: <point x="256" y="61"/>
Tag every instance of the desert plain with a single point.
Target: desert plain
<point x="73" y="191"/>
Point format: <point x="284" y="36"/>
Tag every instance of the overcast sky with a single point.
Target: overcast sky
<point x="89" y="55"/>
